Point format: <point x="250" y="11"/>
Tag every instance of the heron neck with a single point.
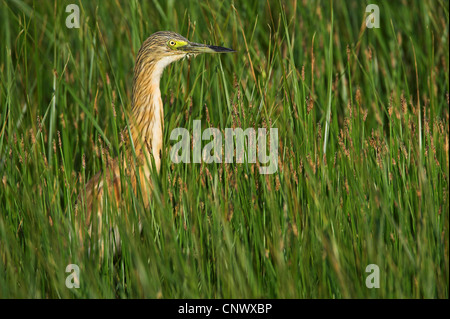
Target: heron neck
<point x="147" y="114"/>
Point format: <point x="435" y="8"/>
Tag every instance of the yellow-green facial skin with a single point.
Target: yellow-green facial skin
<point x="175" y="44"/>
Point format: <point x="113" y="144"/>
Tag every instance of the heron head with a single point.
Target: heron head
<point x="166" y="47"/>
<point x="156" y="53"/>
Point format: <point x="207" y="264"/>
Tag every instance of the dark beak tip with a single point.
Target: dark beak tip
<point x="221" y="49"/>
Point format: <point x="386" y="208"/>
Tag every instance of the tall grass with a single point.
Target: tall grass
<point x="362" y="117"/>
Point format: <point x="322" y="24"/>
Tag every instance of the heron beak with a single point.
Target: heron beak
<point x="196" y="48"/>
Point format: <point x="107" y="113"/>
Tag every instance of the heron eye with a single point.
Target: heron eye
<point x="171" y="43"/>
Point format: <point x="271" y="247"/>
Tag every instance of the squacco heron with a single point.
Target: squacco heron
<point x="146" y="122"/>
